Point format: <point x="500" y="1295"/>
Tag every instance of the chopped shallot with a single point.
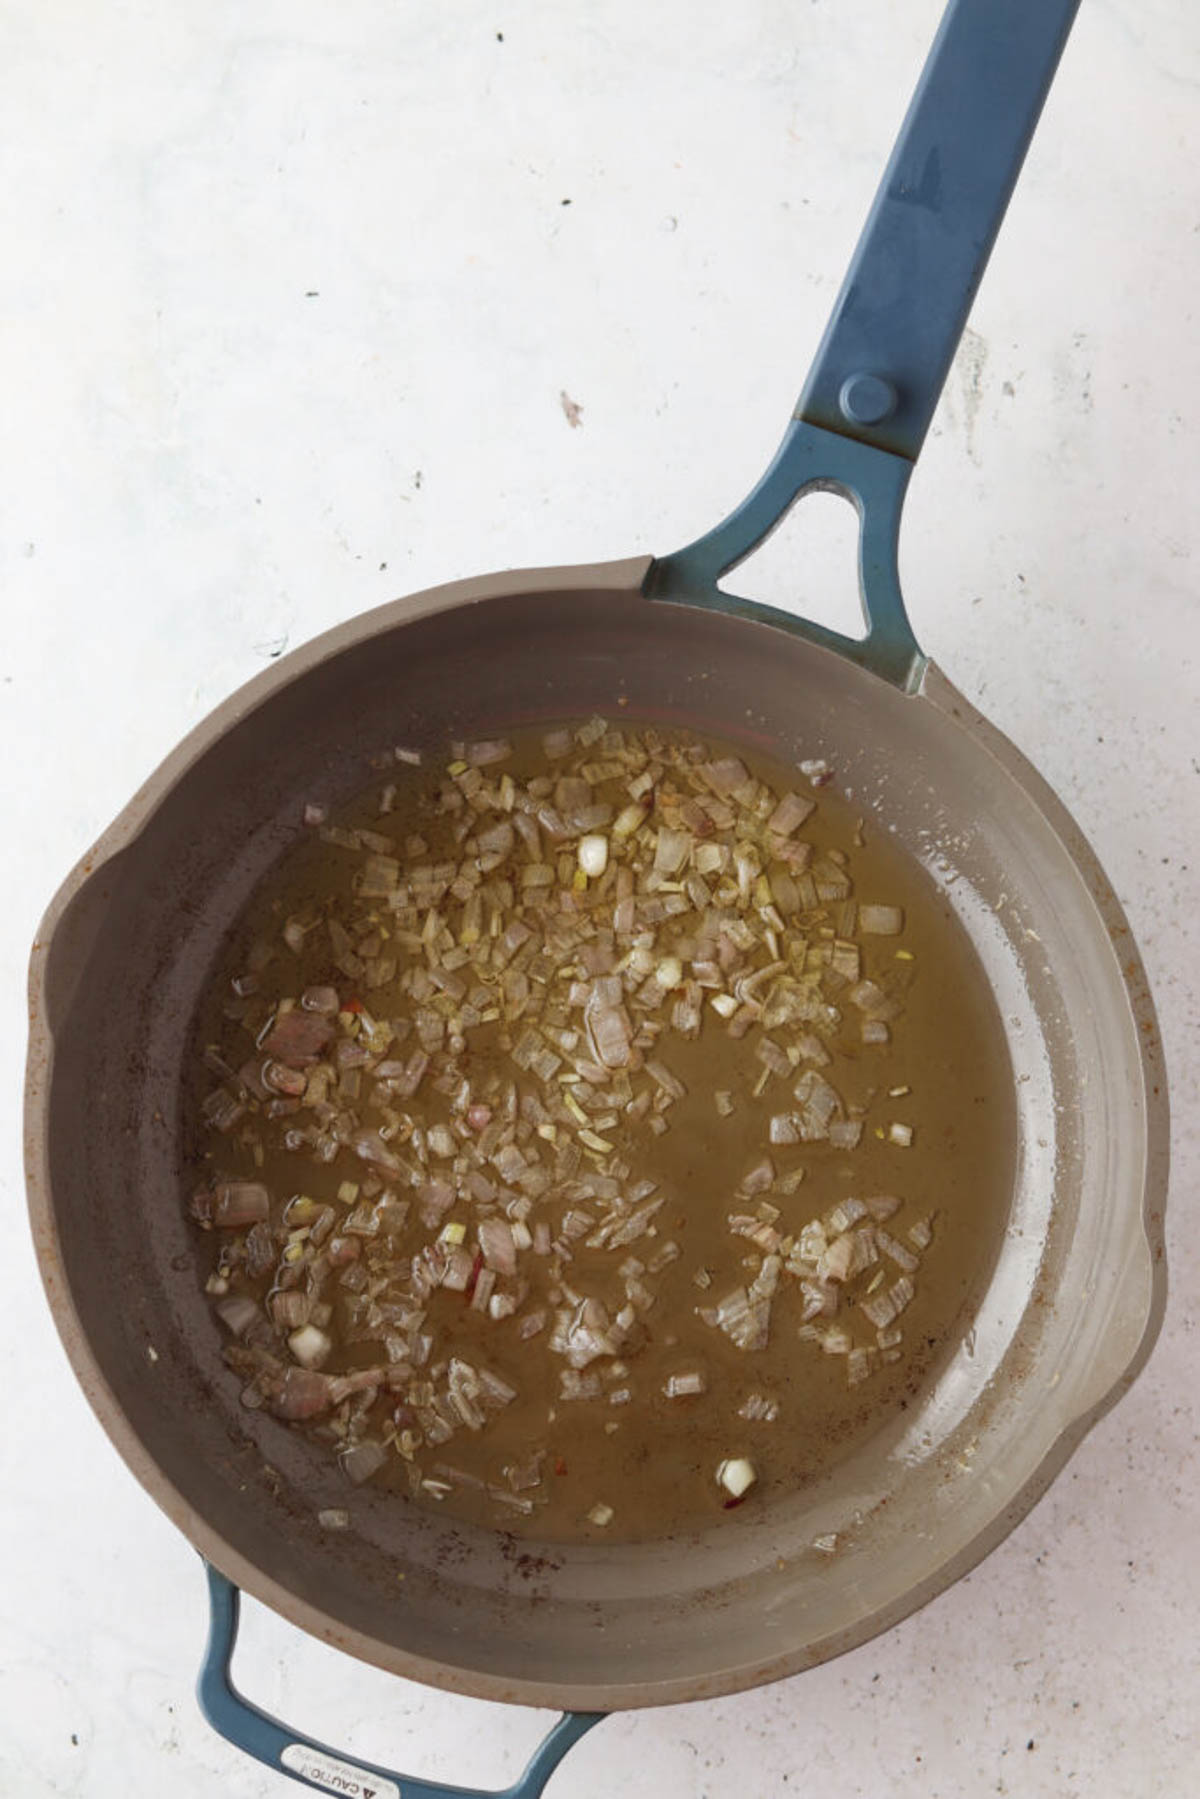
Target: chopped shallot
<point x="364" y="1460"/>
<point x="240" y="1202"/>
<point x="593" y="856"/>
<point x="880" y="921"/>
<point x="737" y="1476"/>
<point x="310" y="1346"/>
<point x="679" y="1386"/>
<point x="469" y="1043"/>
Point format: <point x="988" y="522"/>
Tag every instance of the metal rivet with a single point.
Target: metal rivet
<point x="867" y="399"/>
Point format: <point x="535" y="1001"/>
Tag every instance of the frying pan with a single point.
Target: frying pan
<point x="1076" y="1296"/>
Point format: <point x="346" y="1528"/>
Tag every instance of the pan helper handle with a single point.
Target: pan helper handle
<point x="865" y="409"/>
<point x="327" y="1770"/>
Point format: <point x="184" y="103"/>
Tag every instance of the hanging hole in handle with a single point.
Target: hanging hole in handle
<point x="808" y="565"/>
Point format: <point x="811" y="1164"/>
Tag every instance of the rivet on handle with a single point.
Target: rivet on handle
<point x="867" y="399"/>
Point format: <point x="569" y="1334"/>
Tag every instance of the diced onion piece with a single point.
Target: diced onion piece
<point x="760" y="1178"/>
<point x="334" y="1517"/>
<point x="902" y="1291"/>
<point x="496" y="1243"/>
<point x="901" y="1134"/>
<point x="869" y="997"/>
<point x="669" y="973"/>
<point x="610" y="1034"/>
<point x="481" y="755"/>
<point x="726" y="775"/>
<point x="896" y="1252"/>
<point x="310" y="1346"/>
<point x="290" y="1309"/>
<point x="773" y="1056"/>
<point x="298" y="1038"/>
<point x="238" y="1313"/>
<point x="790" y="814"/>
<point x="629" y="820"/>
<point x="237" y="1203"/>
<point x="662" y="1076"/>
<point x="320" y="999"/>
<point x="593" y="855"/>
<point x="819" y="1105"/>
<point x="364" y="1460"/>
<point x="679" y="1386"/>
<point x="879" y="1308"/>
<point x="759" y="1408"/>
<point x="880" y="921"/>
<point x="784" y="890"/>
<point x="671" y="850"/>
<point x="736" y="1475"/>
<point x="836" y="1263"/>
<point x="298" y="1393"/>
<point x="820" y="1299"/>
<point x="601" y="1514"/>
<point x="485" y="1282"/>
<point x="441" y="1142"/>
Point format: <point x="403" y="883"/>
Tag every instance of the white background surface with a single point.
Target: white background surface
<point x="290" y="293"/>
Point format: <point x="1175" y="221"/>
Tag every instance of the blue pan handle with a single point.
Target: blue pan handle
<point x="865" y="408"/>
<point x="324" y="1769"/>
<point x="896" y="323"/>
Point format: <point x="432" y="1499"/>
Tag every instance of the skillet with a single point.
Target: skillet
<point x="1075" y="1299"/>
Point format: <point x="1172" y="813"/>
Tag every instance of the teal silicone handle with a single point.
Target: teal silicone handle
<point x="875" y="482"/>
<point x="927" y="239"/>
<point x="866" y="406"/>
<point x="327" y="1770"/>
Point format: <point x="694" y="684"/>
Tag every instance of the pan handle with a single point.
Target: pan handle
<point x="864" y="411"/>
<point x="810" y="460"/>
<point x="896" y="323"/>
<point x="315" y="1765"/>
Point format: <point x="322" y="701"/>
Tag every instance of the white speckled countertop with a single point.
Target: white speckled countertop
<point x="290" y="296"/>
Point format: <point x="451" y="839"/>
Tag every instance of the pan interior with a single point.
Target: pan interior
<point x="942" y="1074"/>
<point x="475" y="1609"/>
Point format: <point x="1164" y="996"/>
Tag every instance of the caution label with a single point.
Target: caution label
<point x="337" y="1776"/>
